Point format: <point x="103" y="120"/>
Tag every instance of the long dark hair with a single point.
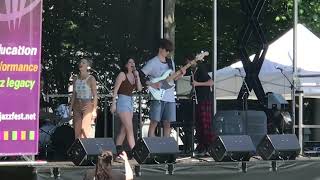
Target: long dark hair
<point x="103" y="166"/>
<point x="124" y="62"/>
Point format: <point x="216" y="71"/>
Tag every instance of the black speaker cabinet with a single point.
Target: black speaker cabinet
<point x="234" y="122"/>
<point x="279" y="147"/>
<point x="151" y="150"/>
<point x="232" y="148"/>
<point x="84" y="152"/>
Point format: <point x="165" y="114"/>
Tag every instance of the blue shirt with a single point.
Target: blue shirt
<point x="154" y="69"/>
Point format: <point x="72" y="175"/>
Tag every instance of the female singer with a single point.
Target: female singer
<point x="127" y="81"/>
<point x="84" y="101"/>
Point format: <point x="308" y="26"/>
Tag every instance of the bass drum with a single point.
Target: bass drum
<point x="45" y="136"/>
<point x="54" y="141"/>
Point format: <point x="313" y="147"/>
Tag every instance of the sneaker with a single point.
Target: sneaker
<point x="199" y="153"/>
<point x="207" y="154"/>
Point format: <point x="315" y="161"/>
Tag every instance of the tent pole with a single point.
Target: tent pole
<point x="294" y="63"/>
<point x="301" y="122"/>
<point x="214" y="55"/>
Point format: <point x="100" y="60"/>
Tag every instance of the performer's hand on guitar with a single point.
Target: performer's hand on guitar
<point x="183" y="71"/>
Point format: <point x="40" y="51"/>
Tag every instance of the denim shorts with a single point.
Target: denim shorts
<point x="162" y="110"/>
<point x="124" y="103"/>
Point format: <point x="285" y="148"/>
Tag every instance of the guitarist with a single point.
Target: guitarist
<point x="165" y="109"/>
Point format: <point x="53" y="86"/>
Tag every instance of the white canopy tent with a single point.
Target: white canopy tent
<point x="278" y="57"/>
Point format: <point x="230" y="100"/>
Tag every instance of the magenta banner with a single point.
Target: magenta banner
<point x="20" y="58"/>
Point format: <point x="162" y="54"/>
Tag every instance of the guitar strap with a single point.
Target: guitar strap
<point x="169" y="62"/>
<point x="143" y="77"/>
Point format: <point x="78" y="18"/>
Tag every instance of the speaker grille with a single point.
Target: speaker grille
<point x="84" y="152"/>
<point x="279" y="147"/>
<point x="232" y="148"/>
<point x="153" y="150"/>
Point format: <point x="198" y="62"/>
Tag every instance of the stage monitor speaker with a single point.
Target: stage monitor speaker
<point x="232" y="148"/>
<point x="279" y="147"/>
<point x="154" y="150"/>
<point x="84" y="152"/>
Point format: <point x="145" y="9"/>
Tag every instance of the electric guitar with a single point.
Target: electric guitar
<point x="166" y="80"/>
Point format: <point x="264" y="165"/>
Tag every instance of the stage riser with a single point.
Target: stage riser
<point x="262" y="170"/>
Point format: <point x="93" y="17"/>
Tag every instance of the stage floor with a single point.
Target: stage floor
<point x="185" y="168"/>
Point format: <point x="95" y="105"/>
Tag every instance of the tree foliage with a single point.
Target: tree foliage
<point x="194" y="24"/>
<point x="105" y="31"/>
<point x="108" y="30"/>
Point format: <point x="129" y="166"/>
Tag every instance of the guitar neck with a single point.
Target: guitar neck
<point x="178" y="73"/>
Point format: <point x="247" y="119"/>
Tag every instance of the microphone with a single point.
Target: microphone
<point x="91" y="69"/>
<point x="279" y="68"/>
<point x="134" y="69"/>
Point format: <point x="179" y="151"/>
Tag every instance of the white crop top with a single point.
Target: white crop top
<point x="83" y="90"/>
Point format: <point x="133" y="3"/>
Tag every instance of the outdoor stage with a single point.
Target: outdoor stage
<point x="187" y="168"/>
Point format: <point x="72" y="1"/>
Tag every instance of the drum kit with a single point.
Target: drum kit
<point x="56" y="135"/>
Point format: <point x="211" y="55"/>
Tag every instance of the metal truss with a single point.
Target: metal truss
<point x="252" y="31"/>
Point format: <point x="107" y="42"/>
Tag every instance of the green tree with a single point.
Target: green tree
<point x="194" y="25"/>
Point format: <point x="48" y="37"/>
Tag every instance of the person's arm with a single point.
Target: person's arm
<point x="138" y="82"/>
<point x="204" y="74"/>
<point x="181" y="72"/>
<point x="73" y="96"/>
<point x="93" y="85"/>
<point x="121" y="77"/>
<point x="129" y="173"/>
<point x="145" y="72"/>
<point x="206" y="83"/>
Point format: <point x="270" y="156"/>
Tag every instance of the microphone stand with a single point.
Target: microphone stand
<point x="291" y="85"/>
<point x="293" y="89"/>
<point x="105" y="90"/>
<point x="194" y="92"/>
<point x="246" y="93"/>
<point x="194" y="99"/>
<point x="245" y="101"/>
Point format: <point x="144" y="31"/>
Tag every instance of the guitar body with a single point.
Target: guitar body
<point x="167" y="77"/>
<point x="158" y="94"/>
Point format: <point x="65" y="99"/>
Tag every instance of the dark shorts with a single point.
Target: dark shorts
<point x="162" y="111"/>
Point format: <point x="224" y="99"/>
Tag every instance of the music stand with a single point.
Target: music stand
<point x="184" y="90"/>
<point x="183" y="87"/>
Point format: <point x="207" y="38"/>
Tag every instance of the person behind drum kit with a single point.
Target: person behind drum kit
<point x="165" y="109"/>
<point x="202" y="91"/>
<point x="84" y="101"/>
<point x="122" y="103"/>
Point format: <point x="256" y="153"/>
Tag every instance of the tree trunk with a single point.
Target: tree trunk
<point x="169" y="21"/>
